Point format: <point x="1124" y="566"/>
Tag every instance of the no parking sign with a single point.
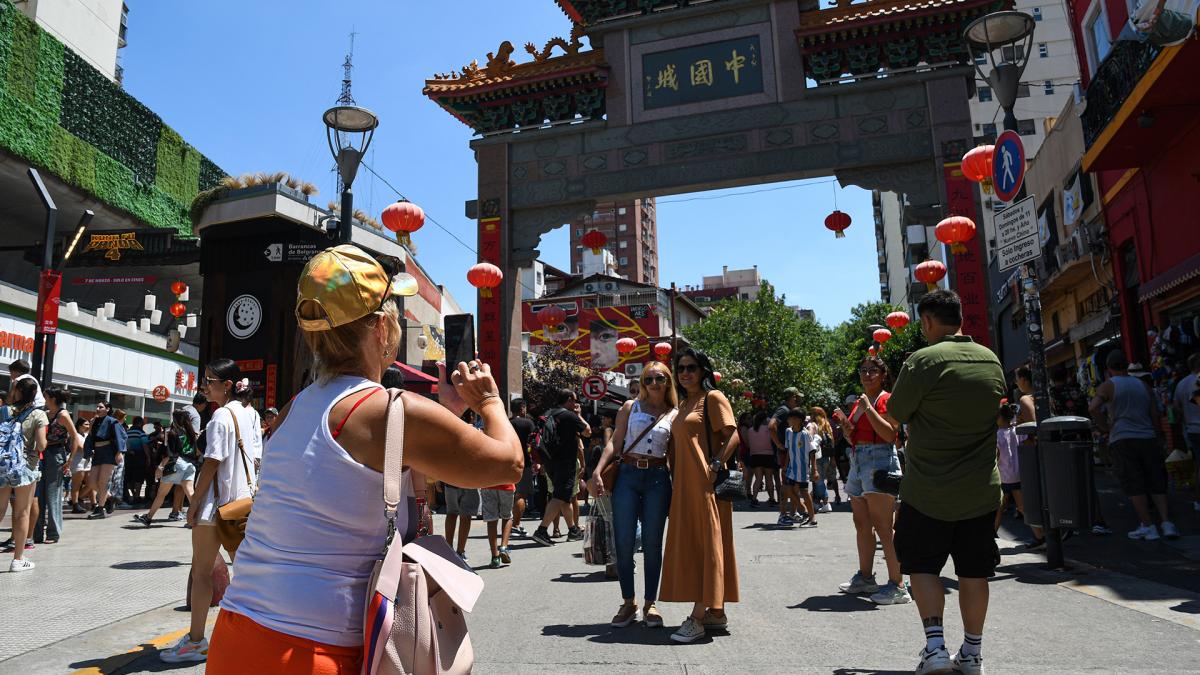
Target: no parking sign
<point x="594" y="387"/>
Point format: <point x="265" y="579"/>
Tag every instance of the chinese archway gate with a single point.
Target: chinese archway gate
<point x="674" y="96"/>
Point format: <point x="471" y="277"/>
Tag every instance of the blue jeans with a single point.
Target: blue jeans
<point x="49" y="523"/>
<point x="645" y="495"/>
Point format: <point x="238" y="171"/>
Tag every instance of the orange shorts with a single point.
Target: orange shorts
<point x="239" y="645"/>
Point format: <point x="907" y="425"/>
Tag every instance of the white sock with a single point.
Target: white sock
<point x="972" y="645"/>
<point x="934" y="639"/>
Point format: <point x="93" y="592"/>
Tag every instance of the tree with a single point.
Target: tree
<point x="764" y="344"/>
<point x="848" y="342"/>
<point x="546" y="371"/>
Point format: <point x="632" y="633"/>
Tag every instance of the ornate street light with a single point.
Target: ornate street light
<point x="989" y="35"/>
<point x="349" y="129"/>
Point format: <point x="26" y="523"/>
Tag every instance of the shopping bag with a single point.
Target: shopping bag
<point x="598" y="543"/>
<point x="820" y="492"/>
<point x="220" y="581"/>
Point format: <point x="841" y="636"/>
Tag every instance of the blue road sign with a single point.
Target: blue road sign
<point x="1008" y="165"/>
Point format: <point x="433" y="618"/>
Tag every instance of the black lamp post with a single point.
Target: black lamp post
<point x="989" y="35"/>
<point x="349" y="129"/>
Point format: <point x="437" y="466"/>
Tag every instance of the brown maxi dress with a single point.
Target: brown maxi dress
<point x="698" y="564"/>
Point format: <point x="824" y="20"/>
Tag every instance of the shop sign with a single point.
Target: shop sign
<point x="98" y="281"/>
<point x="49" y="290"/>
<point x="113" y="244"/>
<point x="16" y="342"/>
<point x="161" y="393"/>
<point x="185" y="382"/>
<point x="244" y="316"/>
<point x="292" y="252"/>
<point x="702" y="73"/>
<point x="272" y="387"/>
<point x="250" y="365"/>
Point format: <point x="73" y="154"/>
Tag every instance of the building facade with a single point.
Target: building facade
<point x="739" y="284"/>
<point x="631" y="228"/>
<point x="902" y="242"/>
<point x="94" y="29"/>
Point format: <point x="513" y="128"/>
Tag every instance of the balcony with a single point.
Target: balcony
<point x="1139" y="98"/>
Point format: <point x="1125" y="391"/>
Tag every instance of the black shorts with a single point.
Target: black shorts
<point x="562" y="475"/>
<point x="923" y="544"/>
<point x="762" y="462"/>
<point x="105" y="455"/>
<point x="801" y="485"/>
<point x="1007" y="488"/>
<point x="1140" y="466"/>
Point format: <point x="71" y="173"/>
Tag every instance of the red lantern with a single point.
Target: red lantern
<point x="838" y="221"/>
<point x="930" y="273"/>
<point x="663" y="351"/>
<point x="553" y="315"/>
<point x="626" y="345"/>
<point x="403" y="218"/>
<point x="954" y="231"/>
<point x="977" y="166"/>
<point x="595" y="240"/>
<point x="485" y="277"/>
<point x="747" y="395"/>
<point x="882" y="335"/>
<point x="178" y="309"/>
<point x="716" y="377"/>
<point x="897" y="320"/>
<point x="179" y="288"/>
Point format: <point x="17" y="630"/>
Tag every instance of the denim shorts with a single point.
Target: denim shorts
<point x="865" y="460"/>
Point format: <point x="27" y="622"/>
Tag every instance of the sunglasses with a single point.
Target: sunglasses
<point x="869" y="371"/>
<point x="654" y="379"/>
<point x="688" y="368"/>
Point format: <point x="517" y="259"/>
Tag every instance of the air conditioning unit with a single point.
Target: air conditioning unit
<point x="589" y="288"/>
<point x="633" y="369"/>
<point x="608" y="285"/>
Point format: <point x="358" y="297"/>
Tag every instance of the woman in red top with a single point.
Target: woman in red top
<point x="873" y="455"/>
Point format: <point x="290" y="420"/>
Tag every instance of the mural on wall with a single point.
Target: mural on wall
<point x="435" y="343"/>
<point x="591" y="333"/>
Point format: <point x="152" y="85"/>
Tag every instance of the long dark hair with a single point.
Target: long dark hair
<point x="884" y="376"/>
<point x="228" y="370"/>
<point x="760" y="419"/>
<point x="707" y="381"/>
<point x="181" y="421"/>
<point x="27" y="389"/>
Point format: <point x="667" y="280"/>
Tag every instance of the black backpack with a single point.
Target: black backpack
<point x="547" y="443"/>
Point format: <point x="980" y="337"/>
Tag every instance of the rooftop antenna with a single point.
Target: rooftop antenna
<point x="346" y="98"/>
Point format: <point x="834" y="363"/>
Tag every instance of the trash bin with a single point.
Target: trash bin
<point x="1066" y="450"/>
<point x="1031" y="474"/>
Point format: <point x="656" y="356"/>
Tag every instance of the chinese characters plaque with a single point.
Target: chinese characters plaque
<point x="702" y="73"/>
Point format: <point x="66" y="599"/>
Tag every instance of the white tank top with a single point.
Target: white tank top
<point x="316" y="529"/>
<point x="654" y="443"/>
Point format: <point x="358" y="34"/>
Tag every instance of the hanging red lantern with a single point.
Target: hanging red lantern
<point x="897" y="320"/>
<point x="595" y="240"/>
<point x="954" y="231"/>
<point x="663" y="351"/>
<point x="551" y="316"/>
<point x="179" y="288"/>
<point x="977" y="166"/>
<point x="882" y="335"/>
<point x="485" y="277"/>
<point x="626" y="345"/>
<point x="403" y="218"/>
<point x="930" y="273"/>
<point x="838" y="221"/>
<point x="178" y="309"/>
<point x="716" y="377"/>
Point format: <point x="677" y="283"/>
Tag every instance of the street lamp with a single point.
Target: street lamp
<point x="990" y="34"/>
<point x="349" y="129"/>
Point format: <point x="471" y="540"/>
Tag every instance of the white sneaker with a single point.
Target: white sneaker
<point x="825" y="508"/>
<point x="968" y="665"/>
<point x="21" y="565"/>
<point x="891" y="593"/>
<point x="690" y="631"/>
<point x="1169" y="530"/>
<point x="186" y="651"/>
<point x="937" y="661"/>
<point x="1146" y="532"/>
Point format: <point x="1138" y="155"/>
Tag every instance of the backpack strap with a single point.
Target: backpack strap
<point x="393" y="459"/>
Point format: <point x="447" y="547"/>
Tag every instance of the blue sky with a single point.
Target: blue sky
<point x="246" y="83"/>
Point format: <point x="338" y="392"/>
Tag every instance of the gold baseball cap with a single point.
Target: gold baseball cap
<point x="343" y="284"/>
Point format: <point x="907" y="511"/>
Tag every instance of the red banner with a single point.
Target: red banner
<point x="49" y="290"/>
<point x="489" y="342"/>
<point x="968" y="267"/>
<point x="250" y="365"/>
<point x="271" y="386"/>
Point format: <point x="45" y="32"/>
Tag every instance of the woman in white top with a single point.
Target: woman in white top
<point x="296" y="604"/>
<point x="643" y="489"/>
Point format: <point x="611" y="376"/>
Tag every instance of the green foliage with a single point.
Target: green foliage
<point x="764" y="344"/>
<point x="21" y="79"/>
<point x="210" y="174"/>
<point x="544" y="373"/>
<point x="49" y="82"/>
<point x="848" y="343"/>
<point x="23" y="131"/>
<point x="178" y="167"/>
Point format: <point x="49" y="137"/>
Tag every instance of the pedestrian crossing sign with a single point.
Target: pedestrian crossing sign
<point x="1008" y="165"/>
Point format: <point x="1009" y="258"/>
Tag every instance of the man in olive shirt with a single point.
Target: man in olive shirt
<point x="949" y="395"/>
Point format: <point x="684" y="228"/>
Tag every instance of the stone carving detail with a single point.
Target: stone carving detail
<point x="872" y="125"/>
<point x="779" y="137"/>
<point x="918" y="180"/>
<point x="705" y="147"/>
<point x="634" y="157"/>
<point x="553" y="168"/>
<point x="595" y="162"/>
<point x="915" y="119"/>
<point x="528" y="226"/>
<point x="825" y="131"/>
<point x="519" y="172"/>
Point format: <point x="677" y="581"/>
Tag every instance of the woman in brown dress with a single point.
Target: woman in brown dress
<point x="699" y="564"/>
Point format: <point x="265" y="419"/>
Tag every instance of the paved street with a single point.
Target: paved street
<point x="105" y="598"/>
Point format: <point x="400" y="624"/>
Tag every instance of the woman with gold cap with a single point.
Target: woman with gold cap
<point x="318" y="526"/>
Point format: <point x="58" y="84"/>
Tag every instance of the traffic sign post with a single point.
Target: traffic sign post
<point x="1008" y="165"/>
<point x="1017" y="237"/>
<point x="595" y="387"/>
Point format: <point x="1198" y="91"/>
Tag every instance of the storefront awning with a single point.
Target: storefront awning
<point x="1183" y="272"/>
<point x="1089" y="326"/>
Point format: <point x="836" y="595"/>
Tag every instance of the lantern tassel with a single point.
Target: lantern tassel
<point x="986" y="184"/>
<point x="596" y="251"/>
<point x="839" y="235"/>
<point x="931" y="287"/>
<point x="485" y="292"/>
<point x="958" y="248"/>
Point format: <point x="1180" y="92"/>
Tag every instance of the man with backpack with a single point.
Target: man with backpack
<point x="559" y="447"/>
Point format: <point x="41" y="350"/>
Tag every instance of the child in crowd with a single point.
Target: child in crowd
<point x="801" y="468"/>
<point x="1006" y="458"/>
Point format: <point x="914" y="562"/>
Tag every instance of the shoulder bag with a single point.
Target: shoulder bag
<point x="231" y="518"/>
<point x="728" y="484"/>
<point x="419" y="590"/>
<point x="613" y="471"/>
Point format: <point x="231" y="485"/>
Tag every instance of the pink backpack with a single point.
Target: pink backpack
<point x="419" y="591"/>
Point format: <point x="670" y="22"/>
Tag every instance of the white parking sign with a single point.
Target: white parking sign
<point x="1017" y="240"/>
<point x="594" y="387"/>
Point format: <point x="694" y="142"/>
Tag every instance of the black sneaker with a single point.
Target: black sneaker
<point x="542" y="537"/>
<point x="97" y="514"/>
<point x="143" y="519"/>
<point x="175" y="516"/>
<point x="575" y="534"/>
<point x="76" y="508"/>
<point x="110" y="506"/>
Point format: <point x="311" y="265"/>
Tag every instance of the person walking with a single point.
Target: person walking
<point x="105" y="442"/>
<point x="642" y="494"/>
<point x="761" y="459"/>
<point x="227" y="475"/>
<point x="81" y="465"/>
<point x="1008" y="459"/>
<point x="873" y="459"/>
<point x="561" y="436"/>
<point x="22" y="440"/>
<point x="779" y="426"/>
<point x="318" y="521"/>
<point x="526" y="430"/>
<point x="948" y="394"/>
<point x="61" y="441"/>
<point x="827" y="464"/>
<point x="1189" y="412"/>
<point x="699" y="565"/>
<point x="174" y="471"/>
<point x="1124" y="406"/>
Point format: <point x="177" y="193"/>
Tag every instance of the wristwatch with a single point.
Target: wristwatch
<point x="716" y="465"/>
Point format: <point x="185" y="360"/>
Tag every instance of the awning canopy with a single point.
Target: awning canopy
<point x="1183" y="272"/>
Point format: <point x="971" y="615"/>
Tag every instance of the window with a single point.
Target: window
<point x="579" y="232"/>
<point x="622" y="227"/>
<point x="621" y="211"/>
<point x="1097" y="35"/>
<point x="1049" y="88"/>
<point x="1026" y="127"/>
<point x="1022" y="91"/>
<point x="623" y="261"/>
<point x="1043" y="50"/>
<point x="989" y="129"/>
<point x="624" y="244"/>
<point x="1013" y="53"/>
<point x="578" y="247"/>
<point x="1037" y="13"/>
<point x="985" y="94"/>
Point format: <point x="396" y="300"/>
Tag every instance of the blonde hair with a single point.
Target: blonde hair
<point x="821" y="419"/>
<point x="339" y="351"/>
<point x="671" y="397"/>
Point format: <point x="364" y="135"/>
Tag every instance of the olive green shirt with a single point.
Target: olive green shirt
<point x="949" y="395"/>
